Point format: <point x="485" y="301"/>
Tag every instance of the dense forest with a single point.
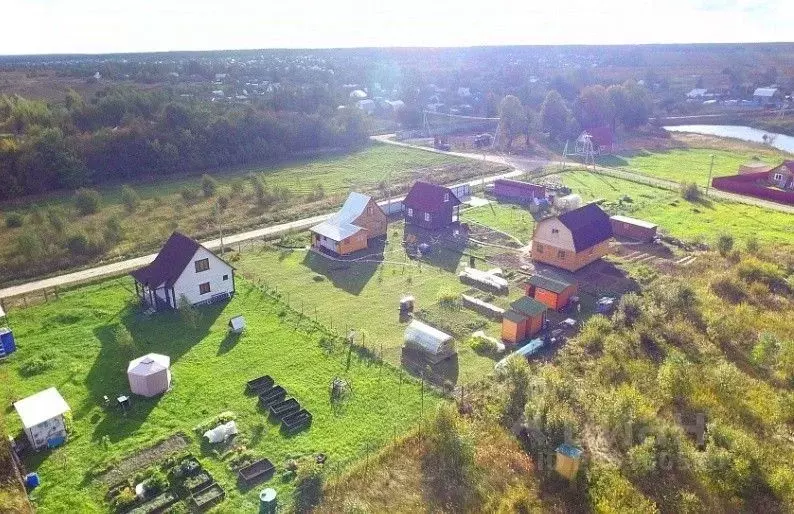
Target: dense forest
<point x="123" y="133"/>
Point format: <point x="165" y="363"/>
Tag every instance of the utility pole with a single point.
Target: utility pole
<point x="711" y="168"/>
<point x="220" y="224"/>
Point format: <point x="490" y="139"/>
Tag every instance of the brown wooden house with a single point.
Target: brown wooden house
<point x="359" y="221"/>
<point x="572" y="240"/>
<point x="430" y="206"/>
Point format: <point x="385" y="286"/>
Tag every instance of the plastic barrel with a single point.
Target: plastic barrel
<point x="267" y="501"/>
<point x="32" y="480"/>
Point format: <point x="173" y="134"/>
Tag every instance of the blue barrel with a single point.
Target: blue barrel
<point x="7" y="344"/>
<point x="267" y="501"/>
<point x="32" y="480"/>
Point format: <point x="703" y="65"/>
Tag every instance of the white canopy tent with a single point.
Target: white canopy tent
<point x="150" y="375"/>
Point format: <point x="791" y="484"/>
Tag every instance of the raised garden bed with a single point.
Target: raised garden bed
<point x="198" y="482"/>
<point x="158" y="504"/>
<point x="284" y="408"/>
<point x="189" y="466"/>
<point x="208" y="498"/>
<point x="297" y="421"/>
<point x="259" y="385"/>
<point x="256" y="472"/>
<point x="274" y="395"/>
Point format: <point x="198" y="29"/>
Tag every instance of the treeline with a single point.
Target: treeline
<point x="124" y="133"/>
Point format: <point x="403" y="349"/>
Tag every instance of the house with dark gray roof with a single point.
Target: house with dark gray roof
<point x="430" y="206"/>
<point x="184" y="269"/>
<point x="574" y="239"/>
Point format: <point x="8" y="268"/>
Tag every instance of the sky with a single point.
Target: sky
<point x="105" y="26"/>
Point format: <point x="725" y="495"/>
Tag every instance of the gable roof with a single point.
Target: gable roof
<point x="428" y="197"/>
<point x="340" y="226"/>
<point x="765" y="91"/>
<point x="589" y="225"/>
<point x="169" y="263"/>
<point x="554" y="284"/>
<point x="40" y="407"/>
<point x="528" y="306"/>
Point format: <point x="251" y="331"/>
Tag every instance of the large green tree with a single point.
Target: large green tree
<point x="594" y="107"/>
<point x="513" y="119"/>
<point x="554" y="115"/>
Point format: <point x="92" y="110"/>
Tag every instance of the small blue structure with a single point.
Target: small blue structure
<point x="7" y="344"/>
<point x="32" y="480"/>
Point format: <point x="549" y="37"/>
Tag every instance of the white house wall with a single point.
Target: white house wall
<point x="545" y="234"/>
<point x="188" y="282"/>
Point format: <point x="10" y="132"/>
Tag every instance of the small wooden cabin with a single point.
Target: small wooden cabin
<point x="567" y="460"/>
<point x="554" y="292"/>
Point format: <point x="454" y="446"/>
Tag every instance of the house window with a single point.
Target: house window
<point x="778" y="176"/>
<point x="226" y="277"/>
<point x="202" y="265"/>
<point x="561" y="254"/>
<point x="446" y="197"/>
<point x="427" y="216"/>
<point x="410" y="212"/>
<point x="204" y="288"/>
<point x="538" y="247"/>
<point x="555" y="231"/>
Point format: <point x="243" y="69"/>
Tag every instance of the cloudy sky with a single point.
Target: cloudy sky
<point x="98" y="26"/>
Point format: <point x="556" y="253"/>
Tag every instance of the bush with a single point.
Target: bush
<point x="56" y="221"/>
<point x="87" y="201"/>
<point x="729" y="289"/>
<point x="123" y="337"/>
<point x="752" y="246"/>
<point x="237" y="187"/>
<point x="37" y="365"/>
<point x="189" y="195"/>
<point x="14" y="220"/>
<point x="189" y="314"/>
<point x="223" y="203"/>
<point x="690" y="192"/>
<point x="483" y="345"/>
<point x="80" y="244"/>
<point x="446" y="297"/>
<point x="113" y="230"/>
<point x="130" y="198"/>
<point x="724" y="243"/>
<point x="156" y="483"/>
<point x="126" y="498"/>
<point x="752" y="269"/>
<point x="308" y="488"/>
<point x="209" y="186"/>
<point x="30" y="245"/>
<point x="629" y="309"/>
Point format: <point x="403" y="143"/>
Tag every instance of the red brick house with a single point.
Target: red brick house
<point x="430" y="206"/>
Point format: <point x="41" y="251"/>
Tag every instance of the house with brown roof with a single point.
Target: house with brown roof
<point x="430" y="206"/>
<point x="783" y="176"/>
<point x="574" y="239"/>
<point x="359" y="221"/>
<point x="183" y="269"/>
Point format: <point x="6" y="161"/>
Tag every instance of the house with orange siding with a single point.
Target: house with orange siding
<point x="574" y="239"/>
<point x="352" y="228"/>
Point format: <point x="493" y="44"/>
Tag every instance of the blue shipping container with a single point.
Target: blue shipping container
<point x="7" y="345"/>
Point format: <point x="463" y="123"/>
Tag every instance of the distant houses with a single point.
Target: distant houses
<point x="768" y="96"/>
<point x="430" y="206"/>
<point x="183" y="269"/>
<point x="574" y="239"/>
<point x="359" y="221"/>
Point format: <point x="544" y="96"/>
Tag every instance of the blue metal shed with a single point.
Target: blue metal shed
<point x="7" y="344"/>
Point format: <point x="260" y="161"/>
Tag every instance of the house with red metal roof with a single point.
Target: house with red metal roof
<point x="603" y="139"/>
<point x="574" y="239"/>
<point x="430" y="206"/>
<point x="183" y="269"/>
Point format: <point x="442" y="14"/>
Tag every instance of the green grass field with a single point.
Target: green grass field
<point x="693" y="221"/>
<point x="688" y="165"/>
<point x="364" y="296"/>
<point x="73" y="337"/>
<point x="510" y="219"/>
<point x="163" y="209"/>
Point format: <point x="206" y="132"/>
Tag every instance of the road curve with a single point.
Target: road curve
<point x="121" y="267"/>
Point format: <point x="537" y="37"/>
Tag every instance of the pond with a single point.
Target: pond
<point x="780" y="141"/>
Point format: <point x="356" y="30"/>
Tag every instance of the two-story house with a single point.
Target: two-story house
<point x="359" y="221"/>
<point x="430" y="206"/>
<point x="572" y="240"/>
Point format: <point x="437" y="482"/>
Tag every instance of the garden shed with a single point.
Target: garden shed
<point x="567" y="460"/>
<point x="150" y="375"/>
<point x="42" y="416"/>
<point x="552" y="290"/>
<point x="633" y="228"/>
<point x="523" y="320"/>
<point x="436" y="344"/>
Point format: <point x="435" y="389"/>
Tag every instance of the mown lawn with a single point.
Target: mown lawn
<point x="364" y="296"/>
<point x="689" y="165"/>
<point x="693" y="221"/>
<point x="296" y="190"/>
<point x="513" y="220"/>
<point x="73" y="338"/>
